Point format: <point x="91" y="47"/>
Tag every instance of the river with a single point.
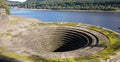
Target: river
<point x="110" y="20"/>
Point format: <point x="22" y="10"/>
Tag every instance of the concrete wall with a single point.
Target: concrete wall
<point x="3" y="17"/>
<point x="2" y="11"/>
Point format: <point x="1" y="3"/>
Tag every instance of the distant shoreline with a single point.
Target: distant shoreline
<point x="68" y="10"/>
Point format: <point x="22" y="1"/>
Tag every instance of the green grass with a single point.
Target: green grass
<point x="14" y="22"/>
<point x="9" y="54"/>
<point x="54" y="23"/>
<point x="114" y="45"/>
<point x="5" y="34"/>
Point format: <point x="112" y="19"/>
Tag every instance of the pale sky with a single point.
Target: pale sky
<point x="18" y="0"/>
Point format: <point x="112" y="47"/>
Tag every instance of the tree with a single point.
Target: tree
<point x="3" y="4"/>
<point x="72" y="4"/>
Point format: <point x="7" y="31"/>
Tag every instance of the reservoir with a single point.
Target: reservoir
<point x="110" y="20"/>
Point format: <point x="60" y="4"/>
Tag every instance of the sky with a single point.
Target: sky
<point x="18" y="0"/>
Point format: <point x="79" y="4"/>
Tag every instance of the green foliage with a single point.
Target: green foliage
<point x="14" y="22"/>
<point x="5" y="34"/>
<point x="72" y="4"/>
<point x="3" y="4"/>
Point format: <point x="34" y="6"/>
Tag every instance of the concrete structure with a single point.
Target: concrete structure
<point x="56" y="41"/>
<point x="28" y="37"/>
<point x="2" y="11"/>
<point x="3" y="17"/>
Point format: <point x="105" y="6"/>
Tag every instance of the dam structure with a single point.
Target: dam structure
<point x="59" y="42"/>
<point x="49" y="41"/>
<point x="26" y="37"/>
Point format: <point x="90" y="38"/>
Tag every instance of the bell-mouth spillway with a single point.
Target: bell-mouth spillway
<point x="59" y="42"/>
<point x="74" y="39"/>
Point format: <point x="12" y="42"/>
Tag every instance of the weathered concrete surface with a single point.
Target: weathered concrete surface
<point x="14" y="26"/>
<point x="49" y="40"/>
<point x="6" y="59"/>
<point x="27" y="37"/>
<point x="114" y="58"/>
<point x="4" y="18"/>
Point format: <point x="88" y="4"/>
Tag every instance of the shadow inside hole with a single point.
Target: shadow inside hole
<point x="73" y="40"/>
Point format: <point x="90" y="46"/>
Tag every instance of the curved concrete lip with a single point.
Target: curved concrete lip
<point x="58" y="42"/>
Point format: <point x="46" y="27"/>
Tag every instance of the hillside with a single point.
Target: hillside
<point x="72" y="4"/>
<point x="14" y="3"/>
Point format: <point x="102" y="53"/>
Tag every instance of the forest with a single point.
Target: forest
<point x="72" y="4"/>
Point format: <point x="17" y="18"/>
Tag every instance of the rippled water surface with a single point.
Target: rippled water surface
<point x="109" y="20"/>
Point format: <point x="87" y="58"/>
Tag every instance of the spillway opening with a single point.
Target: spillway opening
<point x="73" y="39"/>
<point x="58" y="42"/>
<point x="59" y="39"/>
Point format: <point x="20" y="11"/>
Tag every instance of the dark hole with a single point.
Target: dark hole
<point x="73" y="40"/>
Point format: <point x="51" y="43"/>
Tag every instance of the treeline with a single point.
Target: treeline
<point x="72" y="4"/>
<point x="4" y="5"/>
<point x="14" y="3"/>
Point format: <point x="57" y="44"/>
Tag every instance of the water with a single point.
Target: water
<point x="110" y="20"/>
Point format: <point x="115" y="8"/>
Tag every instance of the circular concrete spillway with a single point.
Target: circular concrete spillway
<point x="74" y="39"/>
<point x="59" y="42"/>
